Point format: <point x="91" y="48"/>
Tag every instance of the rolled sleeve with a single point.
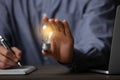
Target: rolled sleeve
<point x="93" y="38"/>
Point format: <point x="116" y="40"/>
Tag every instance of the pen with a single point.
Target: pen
<point x="5" y="44"/>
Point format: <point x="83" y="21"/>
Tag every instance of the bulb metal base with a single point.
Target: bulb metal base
<point x="46" y="46"/>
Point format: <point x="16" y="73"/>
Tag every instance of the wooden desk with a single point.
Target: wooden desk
<point x="59" y="73"/>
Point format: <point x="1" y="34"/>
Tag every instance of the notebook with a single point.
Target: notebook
<point x="20" y="70"/>
<point x="114" y="62"/>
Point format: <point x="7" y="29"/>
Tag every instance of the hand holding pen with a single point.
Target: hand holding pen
<point x="9" y="56"/>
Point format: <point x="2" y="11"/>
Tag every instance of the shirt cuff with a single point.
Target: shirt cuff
<point x="79" y="63"/>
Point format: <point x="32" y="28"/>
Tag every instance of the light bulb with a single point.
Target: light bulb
<point x="47" y="33"/>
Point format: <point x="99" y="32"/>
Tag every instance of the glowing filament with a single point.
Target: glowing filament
<point x="47" y="33"/>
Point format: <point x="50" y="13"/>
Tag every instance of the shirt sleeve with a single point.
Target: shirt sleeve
<point x="4" y="21"/>
<point x="93" y="48"/>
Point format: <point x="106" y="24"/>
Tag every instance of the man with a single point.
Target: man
<point x="90" y="24"/>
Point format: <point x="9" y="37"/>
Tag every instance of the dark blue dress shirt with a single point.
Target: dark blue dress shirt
<point x="91" y="23"/>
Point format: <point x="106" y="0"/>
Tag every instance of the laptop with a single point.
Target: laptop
<point x="114" y="62"/>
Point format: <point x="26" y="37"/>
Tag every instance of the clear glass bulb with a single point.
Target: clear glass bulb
<point x="46" y="33"/>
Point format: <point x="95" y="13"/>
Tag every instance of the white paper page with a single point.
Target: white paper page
<point x="17" y="70"/>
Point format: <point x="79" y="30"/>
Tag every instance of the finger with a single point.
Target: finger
<point x="6" y="60"/>
<point x="4" y="66"/>
<point x="52" y="24"/>
<point x="18" y="53"/>
<point x="54" y="51"/>
<point x="45" y="19"/>
<point x="59" y="25"/>
<point x="6" y="52"/>
<point x="9" y="54"/>
<point x="67" y="29"/>
<point x="47" y="53"/>
<point x="44" y="52"/>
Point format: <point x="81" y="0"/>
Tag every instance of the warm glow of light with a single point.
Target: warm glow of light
<point x="47" y="31"/>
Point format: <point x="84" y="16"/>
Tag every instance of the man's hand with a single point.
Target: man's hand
<point x="62" y="43"/>
<point x="8" y="59"/>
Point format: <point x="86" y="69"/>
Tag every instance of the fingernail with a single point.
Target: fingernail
<point x="64" y="20"/>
